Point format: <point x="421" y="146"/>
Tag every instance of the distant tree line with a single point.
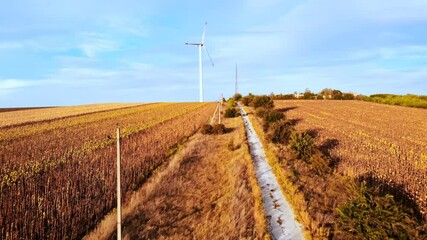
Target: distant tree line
<point x="408" y="100"/>
<point x="327" y="93"/>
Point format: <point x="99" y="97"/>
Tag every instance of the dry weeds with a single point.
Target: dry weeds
<point x="368" y="140"/>
<point x="208" y="191"/>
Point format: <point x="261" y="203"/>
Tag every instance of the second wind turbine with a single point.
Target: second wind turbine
<point x="200" y="46"/>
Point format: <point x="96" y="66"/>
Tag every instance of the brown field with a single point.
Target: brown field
<point x="208" y="191"/>
<point x="3" y="110"/>
<point x="58" y="177"/>
<point x="18" y="116"/>
<point x="386" y="143"/>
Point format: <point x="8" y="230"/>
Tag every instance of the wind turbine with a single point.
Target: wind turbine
<point x="200" y="46"/>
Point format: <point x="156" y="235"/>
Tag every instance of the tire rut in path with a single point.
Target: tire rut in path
<point x="280" y="217"/>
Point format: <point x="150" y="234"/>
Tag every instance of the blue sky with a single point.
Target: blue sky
<point x="76" y="52"/>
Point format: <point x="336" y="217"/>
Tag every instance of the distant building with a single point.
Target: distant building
<point x="298" y="95"/>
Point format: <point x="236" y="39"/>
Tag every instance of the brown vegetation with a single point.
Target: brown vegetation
<point x="19" y="116"/>
<point x="208" y="191"/>
<point x="58" y="180"/>
<point x="388" y="143"/>
<point x="328" y="202"/>
<point x="3" y="110"/>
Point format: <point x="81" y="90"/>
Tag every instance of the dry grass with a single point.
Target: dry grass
<point x="16" y="116"/>
<point x="208" y="191"/>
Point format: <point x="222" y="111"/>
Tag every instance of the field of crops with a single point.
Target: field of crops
<point x="15" y="116"/>
<point x="380" y="142"/>
<point x="57" y="179"/>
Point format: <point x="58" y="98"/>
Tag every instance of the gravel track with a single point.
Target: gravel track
<point x="280" y="217"/>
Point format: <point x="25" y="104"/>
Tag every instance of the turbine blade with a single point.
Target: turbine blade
<point x="209" y="56"/>
<point x="204" y="32"/>
<point x="196" y="44"/>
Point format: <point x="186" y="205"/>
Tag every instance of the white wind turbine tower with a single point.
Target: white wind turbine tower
<point x="201" y="45"/>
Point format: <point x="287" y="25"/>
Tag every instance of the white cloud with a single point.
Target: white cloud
<point x="67" y="77"/>
<point x="10" y="84"/>
<point x="95" y="43"/>
<point x="84" y="77"/>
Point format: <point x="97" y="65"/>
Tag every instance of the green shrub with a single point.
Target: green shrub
<point x="261" y="112"/>
<point x="309" y="95"/>
<point x="303" y="145"/>
<point x="374" y="216"/>
<point x="262" y="101"/>
<point x="246" y="100"/>
<point x="231" y="103"/>
<point x="347" y="96"/>
<point x="231" y="113"/>
<point x="284" y="96"/>
<point x="273" y="116"/>
<point x="269" y="116"/>
<point x="336" y="94"/>
<point x="280" y="132"/>
<point x="237" y="97"/>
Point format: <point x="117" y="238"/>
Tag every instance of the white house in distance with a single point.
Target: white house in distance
<point x="325" y="94"/>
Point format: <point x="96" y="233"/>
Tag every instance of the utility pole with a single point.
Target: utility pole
<point x="220" y="109"/>
<point x="119" y="207"/>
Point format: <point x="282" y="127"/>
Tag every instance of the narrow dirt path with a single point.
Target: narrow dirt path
<point x="281" y="219"/>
